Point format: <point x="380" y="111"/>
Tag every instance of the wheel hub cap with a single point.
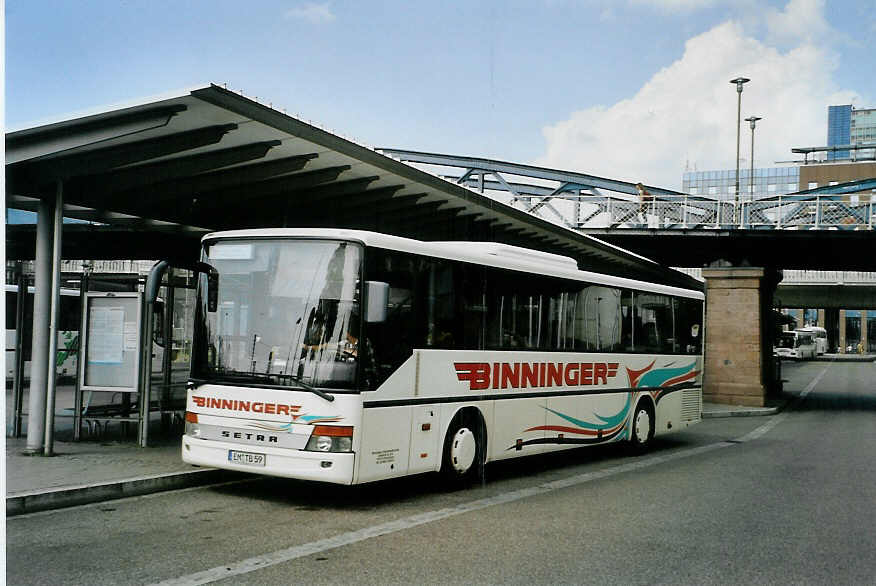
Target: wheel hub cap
<point x="643" y="425"/>
<point x="462" y="450"/>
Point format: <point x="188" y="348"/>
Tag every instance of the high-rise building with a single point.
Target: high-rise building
<point x="849" y="125"/>
<point x="838" y="130"/>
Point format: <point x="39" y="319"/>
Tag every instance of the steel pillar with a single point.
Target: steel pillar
<point x="54" y="314"/>
<point x="39" y="357"/>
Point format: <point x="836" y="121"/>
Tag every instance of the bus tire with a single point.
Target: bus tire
<point x="464" y="451"/>
<point x="642" y="431"/>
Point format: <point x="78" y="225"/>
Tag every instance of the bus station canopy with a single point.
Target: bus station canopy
<point x="147" y="181"/>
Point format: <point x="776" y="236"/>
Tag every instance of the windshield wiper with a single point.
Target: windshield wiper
<point x="275" y="379"/>
<point x="297" y="380"/>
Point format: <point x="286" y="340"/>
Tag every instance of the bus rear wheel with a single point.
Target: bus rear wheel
<point x="642" y="433"/>
<point x="463" y="456"/>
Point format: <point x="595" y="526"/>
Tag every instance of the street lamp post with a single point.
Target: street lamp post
<point x="739" y="81"/>
<point x="752" y="120"/>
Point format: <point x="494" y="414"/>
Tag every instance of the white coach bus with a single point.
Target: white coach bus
<point x="346" y="356"/>
<point x="820" y="337"/>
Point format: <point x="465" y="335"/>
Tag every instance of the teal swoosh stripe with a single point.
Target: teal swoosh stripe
<point x="656" y="378"/>
<point x="607" y="421"/>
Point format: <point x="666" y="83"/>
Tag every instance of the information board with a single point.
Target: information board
<point x="111" y="341"/>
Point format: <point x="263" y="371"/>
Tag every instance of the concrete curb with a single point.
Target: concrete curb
<point x="750" y="412"/>
<point x="45" y="500"/>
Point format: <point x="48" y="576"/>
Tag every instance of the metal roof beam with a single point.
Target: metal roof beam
<point x="235" y="177"/>
<point x="129" y="178"/>
<point x="103" y="159"/>
<point x="337" y="189"/>
<point x="382" y="199"/>
<point x="70" y="134"/>
<point x="346" y="214"/>
<point x="170" y="192"/>
<point x="270" y="187"/>
<point x="352" y="203"/>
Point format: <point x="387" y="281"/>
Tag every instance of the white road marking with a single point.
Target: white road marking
<point x="763" y="429"/>
<point x="285" y="555"/>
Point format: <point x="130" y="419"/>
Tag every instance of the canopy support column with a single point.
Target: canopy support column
<point x="36" y="409"/>
<point x="54" y="314"/>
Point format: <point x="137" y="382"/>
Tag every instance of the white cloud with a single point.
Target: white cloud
<point x="801" y="20"/>
<point x="312" y="12"/>
<point x="687" y="111"/>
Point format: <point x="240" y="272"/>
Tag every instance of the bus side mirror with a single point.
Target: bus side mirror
<point x="212" y="290"/>
<point x="377" y="295"/>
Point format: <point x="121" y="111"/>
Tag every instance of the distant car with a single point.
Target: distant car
<point x="798" y="345"/>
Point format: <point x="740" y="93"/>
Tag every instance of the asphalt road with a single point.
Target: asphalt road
<point x="785" y="499"/>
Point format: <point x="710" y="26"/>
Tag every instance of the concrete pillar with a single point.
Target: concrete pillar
<point x="738" y="352"/>
<point x="864" y="330"/>
<point x="842" y="331"/>
<point x="831" y="324"/>
<point x="821" y="318"/>
<point x="42" y="298"/>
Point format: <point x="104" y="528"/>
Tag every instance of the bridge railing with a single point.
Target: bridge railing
<point x="809" y="277"/>
<point x="783" y="212"/>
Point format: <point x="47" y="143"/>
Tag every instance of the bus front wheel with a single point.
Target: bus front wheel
<point x="643" y="428"/>
<point x="463" y="457"/>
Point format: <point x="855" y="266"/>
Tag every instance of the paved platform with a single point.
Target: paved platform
<point x="847" y="357"/>
<point x="94" y="470"/>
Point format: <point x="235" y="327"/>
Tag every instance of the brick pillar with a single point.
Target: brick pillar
<point x="738" y="354"/>
<point x="864" y="330"/>
<point x="842" y="331"/>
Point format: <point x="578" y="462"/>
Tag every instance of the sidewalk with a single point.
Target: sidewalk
<point x="92" y="471"/>
<point x="95" y="471"/>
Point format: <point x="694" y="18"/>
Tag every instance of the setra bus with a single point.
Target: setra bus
<point x="347" y="356"/>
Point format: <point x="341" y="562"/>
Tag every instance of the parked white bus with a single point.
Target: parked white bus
<point x="68" y="333"/>
<point x="348" y="357"/>
<point x="797" y="344"/>
<point x="820" y="337"/>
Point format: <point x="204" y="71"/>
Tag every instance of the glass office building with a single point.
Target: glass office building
<point x="862" y="129"/>
<point x="839" y="119"/>
<point x="848" y="125"/>
<point x="722" y="184"/>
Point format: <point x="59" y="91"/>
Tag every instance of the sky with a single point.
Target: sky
<point x="635" y="90"/>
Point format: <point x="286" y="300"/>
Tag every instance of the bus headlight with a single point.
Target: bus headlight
<point x="331" y="438"/>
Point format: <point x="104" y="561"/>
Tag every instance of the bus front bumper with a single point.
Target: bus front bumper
<point x="331" y="467"/>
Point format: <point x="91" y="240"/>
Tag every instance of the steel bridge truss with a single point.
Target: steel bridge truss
<point x="603" y="203"/>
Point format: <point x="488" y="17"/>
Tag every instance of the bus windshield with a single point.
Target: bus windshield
<point x="288" y="314"/>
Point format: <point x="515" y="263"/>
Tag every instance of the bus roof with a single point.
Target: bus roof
<point x="484" y="253"/>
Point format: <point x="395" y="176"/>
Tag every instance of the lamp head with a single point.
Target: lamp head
<point x="739" y="81"/>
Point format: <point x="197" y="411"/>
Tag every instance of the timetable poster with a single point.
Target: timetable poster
<point x="106" y="342"/>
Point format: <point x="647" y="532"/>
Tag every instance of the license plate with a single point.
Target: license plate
<point x="246" y="458"/>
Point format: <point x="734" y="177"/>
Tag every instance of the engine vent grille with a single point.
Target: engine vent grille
<point x="691" y="404"/>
